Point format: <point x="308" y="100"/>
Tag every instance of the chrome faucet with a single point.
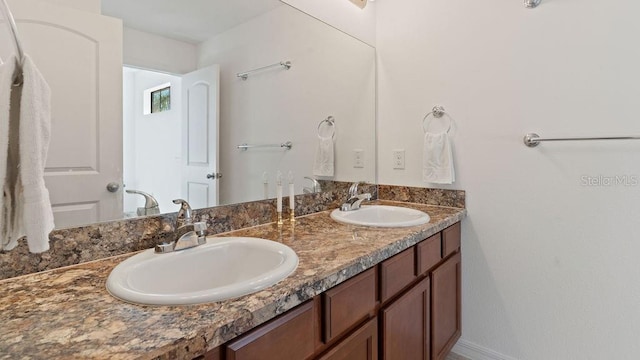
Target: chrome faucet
<point x="316" y="188"/>
<point x="354" y="201"/>
<point x="150" y="203"/>
<point x="188" y="234"/>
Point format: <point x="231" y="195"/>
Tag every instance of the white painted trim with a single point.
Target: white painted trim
<point x="477" y="352"/>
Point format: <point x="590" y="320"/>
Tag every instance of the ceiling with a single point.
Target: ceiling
<point x="188" y="20"/>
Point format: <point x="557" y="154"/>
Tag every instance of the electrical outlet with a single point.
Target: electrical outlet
<point x="398" y="159"/>
<point x="358" y="158"/>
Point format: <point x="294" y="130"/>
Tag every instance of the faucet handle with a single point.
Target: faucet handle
<point x="184" y="214"/>
<point x="316" y="185"/>
<point x="353" y="189"/>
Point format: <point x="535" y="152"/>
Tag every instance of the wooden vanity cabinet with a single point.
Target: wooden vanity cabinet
<point x="362" y="344"/>
<point x="450" y="240"/>
<point x="396" y="273"/>
<point x="348" y="304"/>
<point x="405" y="326"/>
<point x="428" y="254"/>
<point x="424" y="321"/>
<point x="446" y="317"/>
<point x="407" y="307"/>
<point x="293" y="335"/>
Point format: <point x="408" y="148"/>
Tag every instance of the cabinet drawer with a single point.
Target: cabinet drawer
<point x="290" y="336"/>
<point x="450" y="240"/>
<point x="396" y="273"/>
<point x="429" y="253"/>
<point x="348" y="303"/>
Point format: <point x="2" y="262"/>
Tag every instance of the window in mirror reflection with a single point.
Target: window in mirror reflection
<point x="156" y="99"/>
<point x="161" y="100"/>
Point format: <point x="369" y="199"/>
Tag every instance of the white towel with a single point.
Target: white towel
<point x="7" y="71"/>
<point x="323" y="164"/>
<point x="437" y="166"/>
<point x="30" y="115"/>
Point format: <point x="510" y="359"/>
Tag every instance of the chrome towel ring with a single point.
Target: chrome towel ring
<point x="330" y="121"/>
<point x="437" y="112"/>
<point x="531" y="3"/>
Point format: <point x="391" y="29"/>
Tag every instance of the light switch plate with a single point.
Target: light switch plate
<point x="358" y="158"/>
<point x="398" y="159"/>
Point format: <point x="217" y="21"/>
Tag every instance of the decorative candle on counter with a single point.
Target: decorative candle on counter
<point x="265" y="183"/>
<point x="292" y="202"/>
<point x="279" y="196"/>
<point x="292" y="197"/>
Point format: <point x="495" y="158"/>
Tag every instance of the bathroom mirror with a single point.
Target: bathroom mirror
<point x="330" y="74"/>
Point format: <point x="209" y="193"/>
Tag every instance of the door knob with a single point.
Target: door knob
<point x="214" y="176"/>
<point x="113" y="187"/>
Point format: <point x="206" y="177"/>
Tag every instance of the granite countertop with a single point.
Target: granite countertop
<point x="68" y="313"/>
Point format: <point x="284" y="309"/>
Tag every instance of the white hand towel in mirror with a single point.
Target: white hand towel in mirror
<point x="7" y="71"/>
<point x="35" y="132"/>
<point x="324" y="160"/>
<point x="437" y="166"/>
<point x="29" y="213"/>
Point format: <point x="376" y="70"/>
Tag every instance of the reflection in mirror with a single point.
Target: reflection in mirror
<point x="186" y="56"/>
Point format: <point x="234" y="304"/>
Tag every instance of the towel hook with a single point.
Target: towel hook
<point x="437" y="112"/>
<point x="331" y="121"/>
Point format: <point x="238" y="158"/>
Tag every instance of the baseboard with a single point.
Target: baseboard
<point x="477" y="352"/>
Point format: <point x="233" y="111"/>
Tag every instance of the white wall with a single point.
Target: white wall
<point x="85" y="5"/>
<point x="343" y="15"/>
<point x="332" y="74"/>
<point x="151" y="51"/>
<point x="150" y="140"/>
<point x="550" y="267"/>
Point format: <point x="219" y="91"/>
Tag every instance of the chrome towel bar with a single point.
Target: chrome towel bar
<point x="244" y="75"/>
<point x="285" y="145"/>
<point x="533" y="139"/>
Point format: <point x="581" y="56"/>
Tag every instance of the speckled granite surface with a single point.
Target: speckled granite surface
<point x="67" y="313"/>
<point x="440" y="197"/>
<point x="97" y="241"/>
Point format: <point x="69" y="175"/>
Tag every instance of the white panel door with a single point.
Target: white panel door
<point x="200" y="136"/>
<point x="80" y="55"/>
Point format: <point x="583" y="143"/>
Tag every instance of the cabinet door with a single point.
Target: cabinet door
<point x="361" y="345"/>
<point x="348" y="304"/>
<point x="293" y="335"/>
<point x="405" y="325"/>
<point x="445" y="316"/>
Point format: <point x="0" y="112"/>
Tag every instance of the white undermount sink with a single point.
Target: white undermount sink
<point x="381" y="216"/>
<point x="221" y="269"/>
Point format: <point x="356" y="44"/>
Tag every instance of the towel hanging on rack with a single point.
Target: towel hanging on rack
<point x="323" y="164"/>
<point x="437" y="162"/>
<point x="25" y="208"/>
<point x="437" y="112"/>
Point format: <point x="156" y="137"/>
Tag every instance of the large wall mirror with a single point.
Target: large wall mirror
<point x="152" y="102"/>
